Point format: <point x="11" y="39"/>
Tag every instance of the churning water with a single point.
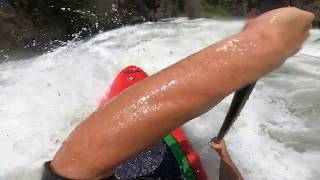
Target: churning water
<point x="44" y="98"/>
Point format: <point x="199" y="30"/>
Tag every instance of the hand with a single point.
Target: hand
<point x="220" y="146"/>
<point x="290" y="26"/>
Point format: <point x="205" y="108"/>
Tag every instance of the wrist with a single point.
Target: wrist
<point x="269" y="47"/>
<point x="272" y="36"/>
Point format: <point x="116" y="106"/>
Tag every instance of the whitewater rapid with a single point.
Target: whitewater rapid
<point x="42" y="99"/>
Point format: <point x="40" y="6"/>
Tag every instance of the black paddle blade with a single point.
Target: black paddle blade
<point x="239" y="100"/>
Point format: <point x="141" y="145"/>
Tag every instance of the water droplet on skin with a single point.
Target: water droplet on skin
<point x="232" y="44"/>
<point x="274" y="18"/>
<point x="169" y="85"/>
<point x="142" y="106"/>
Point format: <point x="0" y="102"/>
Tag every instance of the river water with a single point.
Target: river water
<point x="44" y="98"/>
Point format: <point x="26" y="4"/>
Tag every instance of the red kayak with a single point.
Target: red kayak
<point x="188" y="159"/>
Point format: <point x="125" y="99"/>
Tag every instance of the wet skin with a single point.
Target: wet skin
<point x="146" y="112"/>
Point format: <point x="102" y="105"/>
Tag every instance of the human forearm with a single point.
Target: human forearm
<point x="228" y="170"/>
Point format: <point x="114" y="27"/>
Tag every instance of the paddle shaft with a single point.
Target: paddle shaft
<point x="239" y="100"/>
